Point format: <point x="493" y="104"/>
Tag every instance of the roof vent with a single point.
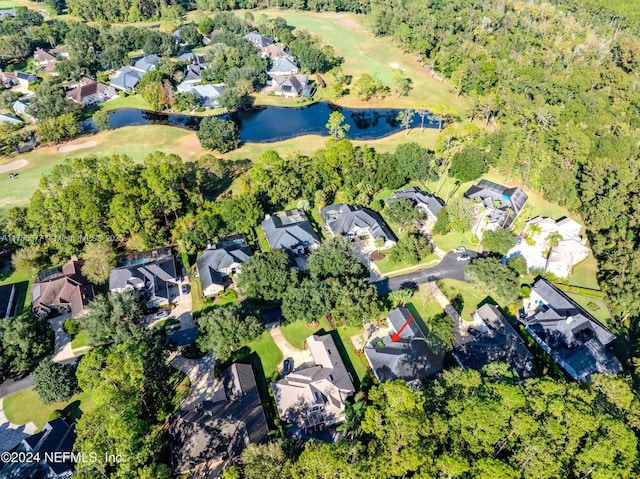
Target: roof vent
<point x="569" y="319"/>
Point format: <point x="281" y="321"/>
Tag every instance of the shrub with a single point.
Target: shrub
<point x="525" y="291"/>
<point x="71" y="326"/>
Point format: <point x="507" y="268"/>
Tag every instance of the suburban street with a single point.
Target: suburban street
<point x="449" y="267"/>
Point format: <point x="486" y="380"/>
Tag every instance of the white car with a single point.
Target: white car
<point x="459" y="249"/>
<point x="464" y="257"/>
<point x="162" y="314"/>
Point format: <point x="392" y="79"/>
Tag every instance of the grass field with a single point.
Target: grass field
<point x="365" y="53"/>
<point x="584" y="274"/>
<point x="387" y="265"/>
<point x="471" y="295"/>
<point x="596" y="307"/>
<point x="24" y="280"/>
<point x="25" y="406"/>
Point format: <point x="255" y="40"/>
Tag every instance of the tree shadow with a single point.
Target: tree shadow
<point x="458" y="303"/>
<point x="72" y="411"/>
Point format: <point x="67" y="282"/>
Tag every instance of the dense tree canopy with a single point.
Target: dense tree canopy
<point x="54" y="382"/>
<point x="266" y="276"/>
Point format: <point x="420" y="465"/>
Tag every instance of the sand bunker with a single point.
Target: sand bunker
<point x="394" y="65"/>
<point x="77" y="146"/>
<point x="13" y="166"/>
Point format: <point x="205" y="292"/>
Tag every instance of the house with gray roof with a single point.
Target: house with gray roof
<point x="7" y="12"/>
<point x="314" y="397"/>
<point x="147" y="63"/>
<point x="292" y="86"/>
<point x="218" y="263"/>
<point x="207" y="95"/>
<point x="502" y="204"/>
<point x="403" y="353"/>
<point x="571" y="336"/>
<point x="291" y="231"/>
<point x="10" y="119"/>
<point x="258" y="40"/>
<point x="151" y="274"/>
<point x="283" y="67"/>
<point x="126" y="79"/>
<point x="426" y="202"/>
<point x="490" y="339"/>
<point x="355" y="221"/>
<point x="56" y="437"/>
<point x="20" y="106"/>
<point x="212" y="435"/>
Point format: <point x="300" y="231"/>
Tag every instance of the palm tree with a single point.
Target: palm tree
<point x="400" y="297"/>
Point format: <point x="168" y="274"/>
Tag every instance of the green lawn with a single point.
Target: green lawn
<point x="584" y="274"/>
<point x="262" y="239"/>
<point x="296" y="332"/>
<point x="80" y="340"/>
<point x="130" y="101"/>
<point x="24" y="280"/>
<point x="595" y="306"/>
<point x="166" y="323"/>
<point x="421" y="313"/>
<point x="365" y="53"/>
<point x="387" y="265"/>
<point x="25" y="406"/>
<point x="453" y="240"/>
<point x="197" y="297"/>
<point x="471" y="295"/>
<point x="226" y="297"/>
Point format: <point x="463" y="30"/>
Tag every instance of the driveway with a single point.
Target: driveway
<point x="62" y="348"/>
<point x="300" y="356"/>
<point x="201" y="372"/>
<point x="183" y="312"/>
<point x="449" y="267"/>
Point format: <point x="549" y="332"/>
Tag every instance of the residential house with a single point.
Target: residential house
<point x="259" y="41"/>
<point x="216" y="264"/>
<point x="292" y="86"/>
<point x="552" y="246"/>
<point x="490" y="338"/>
<point x="430" y="204"/>
<point x="152" y="274"/>
<point x="212" y="435"/>
<point x="403" y="353"/>
<point x="192" y="58"/>
<point x="10" y="119"/>
<point x="355" y="221"/>
<point x="208" y="39"/>
<point x="282" y="67"/>
<point x="50" y="450"/>
<point x="192" y="74"/>
<point x="128" y="76"/>
<point x="126" y="79"/>
<point x="8" y="300"/>
<point x="90" y="92"/>
<point x="207" y="95"/>
<point x="291" y="231"/>
<point x="47" y="59"/>
<point x="502" y="204"/>
<point x="275" y="51"/>
<point x="314" y="397"/>
<point x="6" y="13"/>
<point x="62" y="290"/>
<point x="20" y="105"/>
<point x="17" y="80"/>
<point x="572" y="337"/>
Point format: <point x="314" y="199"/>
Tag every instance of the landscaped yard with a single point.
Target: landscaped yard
<point x="595" y="306"/>
<point x="131" y="101"/>
<point x="296" y="332"/>
<point x="226" y="297"/>
<point x="80" y="340"/>
<point x="470" y="294"/>
<point x="262" y="239"/>
<point x="421" y="313"/>
<point x="453" y="240"/>
<point x="584" y="274"/>
<point x="25" y="406"/>
<point x="24" y="280"/>
<point x="387" y="265"/>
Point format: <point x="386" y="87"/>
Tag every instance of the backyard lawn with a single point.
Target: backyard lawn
<point x="421" y="313"/>
<point x="25" y="406"/>
<point x="24" y="280"/>
<point x="584" y="274"/>
<point x="80" y="340"/>
<point x="595" y="306"/>
<point x="470" y="294"/>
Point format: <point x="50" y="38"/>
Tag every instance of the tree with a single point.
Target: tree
<point x="405" y="213"/>
<point x="115" y="318"/>
<point x="335" y="258"/>
<point x="50" y="101"/>
<point x="499" y="240"/>
<point x="400" y="297"/>
<point x="25" y="339"/>
<point x="401" y="84"/>
<point x="468" y="164"/>
<point x="412" y="248"/>
<point x="414" y="162"/>
<point x="225" y="329"/>
<point x="99" y="258"/>
<point x="54" y="382"/>
<point x="101" y="120"/>
<point x="354" y="301"/>
<point x="459" y="213"/>
<point x="189" y="34"/>
<point x="206" y="25"/>
<point x="54" y="130"/>
<point x="518" y="264"/>
<point x="494" y="277"/>
<point x="336" y="125"/>
<point x="366" y="87"/>
<point x="265" y="460"/>
<point x="308" y="301"/>
<point x="405" y="118"/>
<point x="217" y="134"/>
<point x="266" y="276"/>
<point x="232" y="99"/>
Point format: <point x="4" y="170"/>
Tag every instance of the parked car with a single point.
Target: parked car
<point x="464" y="257"/>
<point x="287" y="366"/>
<point x="162" y="314"/>
<point x="185" y="288"/>
<point x="459" y="249"/>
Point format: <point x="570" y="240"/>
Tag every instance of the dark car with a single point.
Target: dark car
<point x="185" y="289"/>
<point x="287" y="366"/>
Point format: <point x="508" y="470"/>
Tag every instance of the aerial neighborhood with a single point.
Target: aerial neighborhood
<point x="312" y="240"/>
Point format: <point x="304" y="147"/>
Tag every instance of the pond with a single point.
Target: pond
<point x="272" y="123"/>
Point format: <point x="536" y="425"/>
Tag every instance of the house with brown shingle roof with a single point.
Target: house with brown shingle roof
<point x="47" y="59"/>
<point x="90" y="92"/>
<point x="62" y="289"/>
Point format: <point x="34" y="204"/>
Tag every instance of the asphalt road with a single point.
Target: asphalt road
<point x="449" y="268"/>
<point x="24" y="381"/>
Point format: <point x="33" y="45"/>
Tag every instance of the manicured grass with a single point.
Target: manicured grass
<point x="226" y="297"/>
<point x="262" y="239"/>
<point x="197" y="298"/>
<point x="422" y="313"/>
<point x="297" y="332"/>
<point x="166" y="323"/>
<point x="7" y="4"/>
<point x="269" y="354"/>
<point x="584" y="274"/>
<point x="23" y="280"/>
<point x="25" y="406"/>
<point x="594" y="306"/>
<point x="365" y="53"/>
<point x="471" y="295"/>
<point x="453" y="240"/>
<point x="80" y="340"/>
<point x="387" y="265"/>
<point x="131" y="101"/>
<point x="358" y="362"/>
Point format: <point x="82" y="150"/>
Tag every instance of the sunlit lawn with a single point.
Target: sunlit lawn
<point x="387" y="265"/>
<point x="471" y="294"/>
<point x="584" y="274"/>
<point x="594" y="306"/>
<point x="23" y="281"/>
<point x="80" y="340"/>
<point x="25" y="406"/>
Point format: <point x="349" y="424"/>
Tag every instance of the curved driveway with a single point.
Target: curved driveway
<point x="449" y="267"/>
